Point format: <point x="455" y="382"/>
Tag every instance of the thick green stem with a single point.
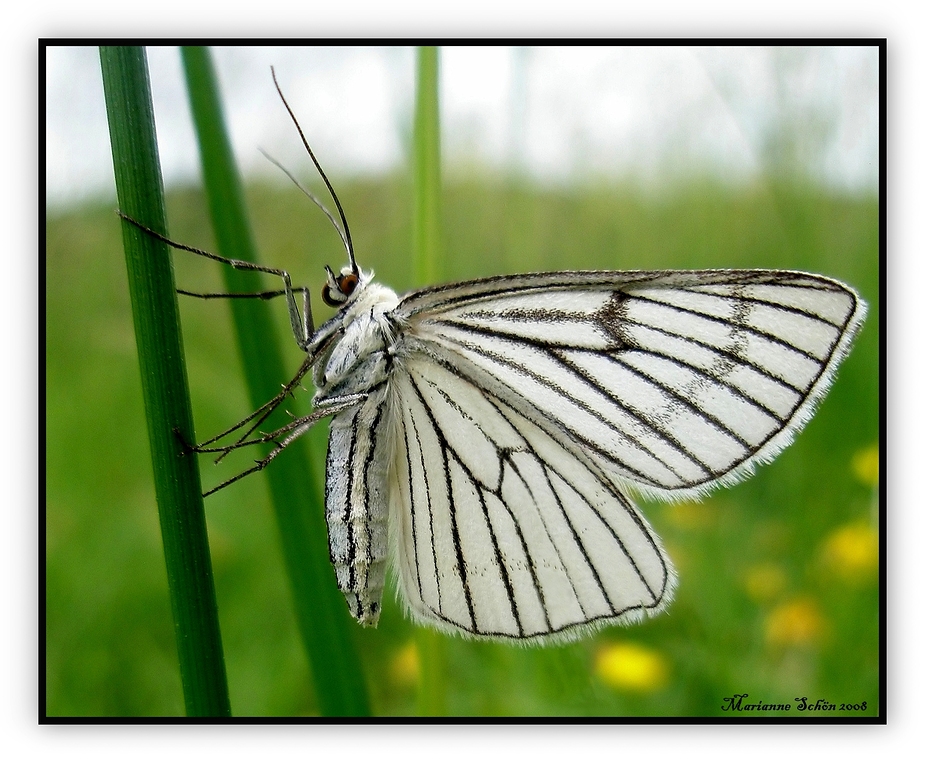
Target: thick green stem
<point x="164" y="384"/>
<point x="322" y="614"/>
<point x="426" y="254"/>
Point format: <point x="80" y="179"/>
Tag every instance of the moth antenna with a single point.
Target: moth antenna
<point x="311" y="196"/>
<point x="340" y="209"/>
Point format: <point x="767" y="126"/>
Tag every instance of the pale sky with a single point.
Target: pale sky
<point x="555" y="114"/>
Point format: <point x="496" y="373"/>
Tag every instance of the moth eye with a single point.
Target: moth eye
<point x="344" y="286"/>
<point x="327" y="298"/>
<point x="347" y="283"/>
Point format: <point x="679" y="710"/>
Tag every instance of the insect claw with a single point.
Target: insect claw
<point x="185" y="447"/>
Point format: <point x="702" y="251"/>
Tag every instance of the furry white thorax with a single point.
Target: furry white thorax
<point x="366" y="331"/>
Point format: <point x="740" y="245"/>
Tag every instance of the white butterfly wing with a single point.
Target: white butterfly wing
<point x="520" y="406"/>
<point x="502" y="532"/>
<point x="670" y="381"/>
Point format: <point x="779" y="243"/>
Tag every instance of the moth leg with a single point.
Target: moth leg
<point x="293" y="430"/>
<point x="261" y="414"/>
<point x="265" y="410"/>
<point x="271" y="294"/>
<point x="301" y="329"/>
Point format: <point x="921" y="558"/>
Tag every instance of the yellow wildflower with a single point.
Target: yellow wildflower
<point x="797" y="622"/>
<point x="852" y="551"/>
<point x="631" y="666"/>
<point x="866" y="465"/>
<point x="404" y="666"/>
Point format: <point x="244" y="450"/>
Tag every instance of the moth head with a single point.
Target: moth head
<point x="338" y="288"/>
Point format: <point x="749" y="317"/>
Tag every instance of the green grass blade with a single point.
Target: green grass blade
<point x="427" y="185"/>
<point x="164" y="384"/>
<point x="426" y="256"/>
<point x="322" y="615"/>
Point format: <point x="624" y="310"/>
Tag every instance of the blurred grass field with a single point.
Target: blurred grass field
<point x="779" y="587"/>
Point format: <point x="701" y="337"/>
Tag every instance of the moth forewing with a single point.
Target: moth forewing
<point x="676" y="380"/>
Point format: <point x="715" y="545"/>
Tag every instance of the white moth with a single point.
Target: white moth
<point x="485" y="435"/>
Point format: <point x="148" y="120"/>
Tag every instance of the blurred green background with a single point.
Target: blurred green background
<point x="779" y="586"/>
